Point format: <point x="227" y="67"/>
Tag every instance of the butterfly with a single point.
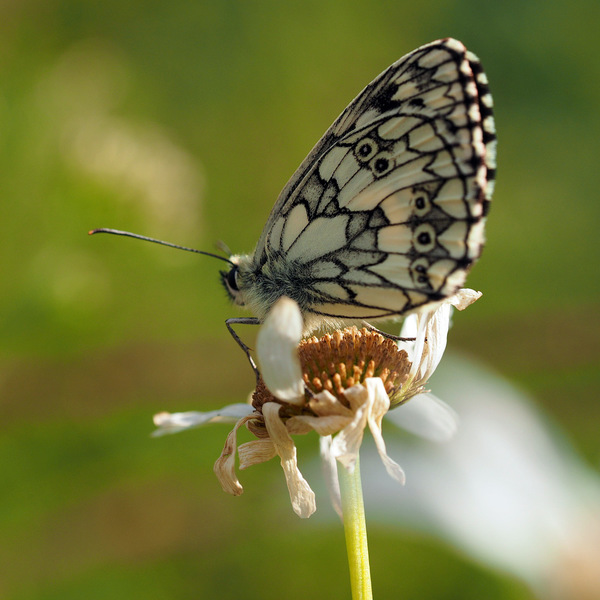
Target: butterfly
<point x="386" y="213"/>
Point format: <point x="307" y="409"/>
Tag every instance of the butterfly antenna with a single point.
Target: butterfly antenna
<point x="154" y="241"/>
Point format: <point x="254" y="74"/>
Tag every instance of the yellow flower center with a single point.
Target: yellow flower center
<point x="337" y="361"/>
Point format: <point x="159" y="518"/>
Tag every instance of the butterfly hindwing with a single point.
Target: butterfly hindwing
<point x="386" y="213"/>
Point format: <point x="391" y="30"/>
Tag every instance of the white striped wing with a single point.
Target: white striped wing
<point x="386" y="213"/>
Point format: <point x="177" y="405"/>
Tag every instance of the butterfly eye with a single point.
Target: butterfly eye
<point x="232" y="279"/>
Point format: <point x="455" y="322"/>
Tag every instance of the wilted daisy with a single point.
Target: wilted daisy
<point x="336" y="385"/>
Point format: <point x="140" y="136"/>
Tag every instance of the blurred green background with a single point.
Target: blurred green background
<point x="183" y="120"/>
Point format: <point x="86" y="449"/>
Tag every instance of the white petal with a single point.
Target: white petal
<point x="437" y="326"/>
<point x="408" y="330"/>
<point x="416" y="354"/>
<point x="175" y="422"/>
<point x="329" y="465"/>
<point x="255" y="452"/>
<point x="428" y="348"/>
<point x="464" y="297"/>
<point x="346" y="444"/>
<point x="302" y="497"/>
<point x="430" y="330"/>
<point x="277" y="351"/>
<point x="379" y="407"/>
<point x="436" y="332"/>
<point x="322" y="425"/>
<point x="224" y="467"/>
<point x="427" y="416"/>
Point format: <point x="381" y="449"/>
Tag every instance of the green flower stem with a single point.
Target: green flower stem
<point x="355" y="529"/>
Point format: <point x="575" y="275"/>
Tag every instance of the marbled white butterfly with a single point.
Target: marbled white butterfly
<point x="386" y="213"/>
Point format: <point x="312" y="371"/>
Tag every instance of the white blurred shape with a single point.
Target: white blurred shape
<point x="507" y="489"/>
<point x="426" y="416"/>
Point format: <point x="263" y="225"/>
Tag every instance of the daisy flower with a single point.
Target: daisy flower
<point x="337" y="385"/>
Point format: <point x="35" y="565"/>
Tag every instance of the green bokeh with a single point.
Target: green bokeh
<point x="214" y="104"/>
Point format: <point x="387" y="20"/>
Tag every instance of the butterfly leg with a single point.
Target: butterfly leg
<point x="246" y="349"/>
<point x="385" y="334"/>
<point x="236" y="337"/>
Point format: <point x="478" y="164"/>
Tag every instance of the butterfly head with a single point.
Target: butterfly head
<point x="255" y="287"/>
<point x="233" y="280"/>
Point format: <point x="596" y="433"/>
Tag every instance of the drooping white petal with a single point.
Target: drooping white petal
<point x="346" y="444"/>
<point x="302" y="497"/>
<point x="175" y="422"/>
<point x="379" y="405"/>
<point x="408" y="330"/>
<point x="415" y="326"/>
<point x="436" y="334"/>
<point x="330" y="473"/>
<point x="437" y="326"/>
<point x="370" y="403"/>
<point x="430" y="330"/>
<point x="427" y="416"/>
<point x="255" y="452"/>
<point x="224" y="467"/>
<point x="277" y="351"/>
<point x="322" y="425"/>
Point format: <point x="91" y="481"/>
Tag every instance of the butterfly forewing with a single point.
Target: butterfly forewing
<point x="386" y="213"/>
